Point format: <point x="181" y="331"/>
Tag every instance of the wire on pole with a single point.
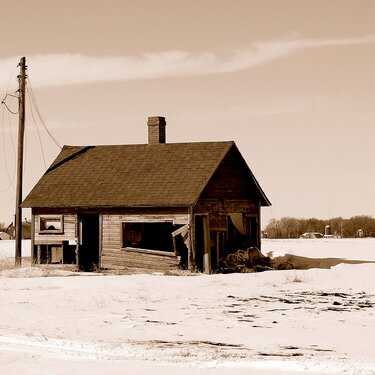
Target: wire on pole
<point x="34" y="103"/>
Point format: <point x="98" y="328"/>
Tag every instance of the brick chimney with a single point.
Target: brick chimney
<point x="156" y="130"/>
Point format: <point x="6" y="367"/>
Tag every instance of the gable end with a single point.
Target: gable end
<point x="233" y="179"/>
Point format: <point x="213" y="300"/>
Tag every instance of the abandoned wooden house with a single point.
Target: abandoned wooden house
<point x="157" y="205"/>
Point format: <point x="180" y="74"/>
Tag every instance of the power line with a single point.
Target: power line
<point x="7" y="89"/>
<point x="11" y="199"/>
<point x="33" y="100"/>
<point x="4" y="156"/>
<point x="4" y="102"/>
<point x="25" y="151"/>
<point x="11" y="74"/>
<point x="37" y="128"/>
<point x="11" y="137"/>
<point x="11" y="180"/>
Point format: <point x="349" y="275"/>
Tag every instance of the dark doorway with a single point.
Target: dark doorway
<point x="88" y="257"/>
<point x="217" y="248"/>
<point x="252" y="229"/>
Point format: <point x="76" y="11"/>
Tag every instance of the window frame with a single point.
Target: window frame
<point x="59" y="218"/>
<point x="141" y="249"/>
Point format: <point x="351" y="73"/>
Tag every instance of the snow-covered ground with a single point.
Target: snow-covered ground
<point x="317" y="321"/>
<point x="7" y="248"/>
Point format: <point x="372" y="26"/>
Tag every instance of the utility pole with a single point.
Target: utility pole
<point x="21" y="131"/>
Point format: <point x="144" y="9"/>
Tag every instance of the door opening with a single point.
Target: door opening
<point x="88" y="257"/>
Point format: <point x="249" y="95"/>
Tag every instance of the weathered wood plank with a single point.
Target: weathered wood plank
<point x="226" y="205"/>
<point x="140" y="259"/>
<point x="109" y="262"/>
<point x="144" y="257"/>
<point x="46" y="241"/>
<point x="111" y="241"/>
<point x="159" y="253"/>
<point x="137" y="267"/>
<point x="147" y="218"/>
<point x="136" y="263"/>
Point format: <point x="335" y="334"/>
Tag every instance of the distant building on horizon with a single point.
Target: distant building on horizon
<point x="26" y="230"/>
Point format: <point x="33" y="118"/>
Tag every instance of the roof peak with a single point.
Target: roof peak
<point x="157" y="145"/>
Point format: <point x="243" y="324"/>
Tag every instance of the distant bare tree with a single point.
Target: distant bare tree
<point x="290" y="227"/>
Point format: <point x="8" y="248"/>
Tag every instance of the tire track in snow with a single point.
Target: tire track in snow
<point x="65" y="348"/>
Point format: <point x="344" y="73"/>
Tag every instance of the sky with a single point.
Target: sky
<point x="291" y="82"/>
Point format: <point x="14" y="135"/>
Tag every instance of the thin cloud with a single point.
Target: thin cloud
<point x="71" y="69"/>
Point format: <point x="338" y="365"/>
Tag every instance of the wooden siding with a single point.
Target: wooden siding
<point x="231" y="189"/>
<point x="114" y="257"/>
<point x="128" y="258"/>
<point x="69" y="231"/>
<point x="232" y="180"/>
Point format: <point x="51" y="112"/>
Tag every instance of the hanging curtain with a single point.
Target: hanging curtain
<point x="237" y="220"/>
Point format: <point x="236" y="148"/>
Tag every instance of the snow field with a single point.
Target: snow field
<point x="317" y="321"/>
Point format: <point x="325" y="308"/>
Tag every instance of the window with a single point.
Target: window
<point x="51" y="224"/>
<point x="152" y="236"/>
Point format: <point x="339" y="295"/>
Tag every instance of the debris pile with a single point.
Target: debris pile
<point x="249" y="260"/>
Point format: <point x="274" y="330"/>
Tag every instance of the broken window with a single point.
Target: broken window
<point x="152" y="236"/>
<point x="51" y="224"/>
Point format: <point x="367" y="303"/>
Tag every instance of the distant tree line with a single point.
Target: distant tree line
<point x="290" y="227"/>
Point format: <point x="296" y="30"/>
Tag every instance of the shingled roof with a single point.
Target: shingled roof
<point x="169" y="174"/>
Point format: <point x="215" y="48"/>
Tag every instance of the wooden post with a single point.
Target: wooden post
<point x="48" y="254"/>
<point x="79" y="240"/>
<point x="174" y="244"/>
<point x="192" y="250"/>
<point x="259" y="231"/>
<point x="217" y="249"/>
<point x="33" y="258"/>
<point x="21" y="131"/>
<point x="38" y="254"/>
<point x="100" y="240"/>
<point x="207" y="248"/>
